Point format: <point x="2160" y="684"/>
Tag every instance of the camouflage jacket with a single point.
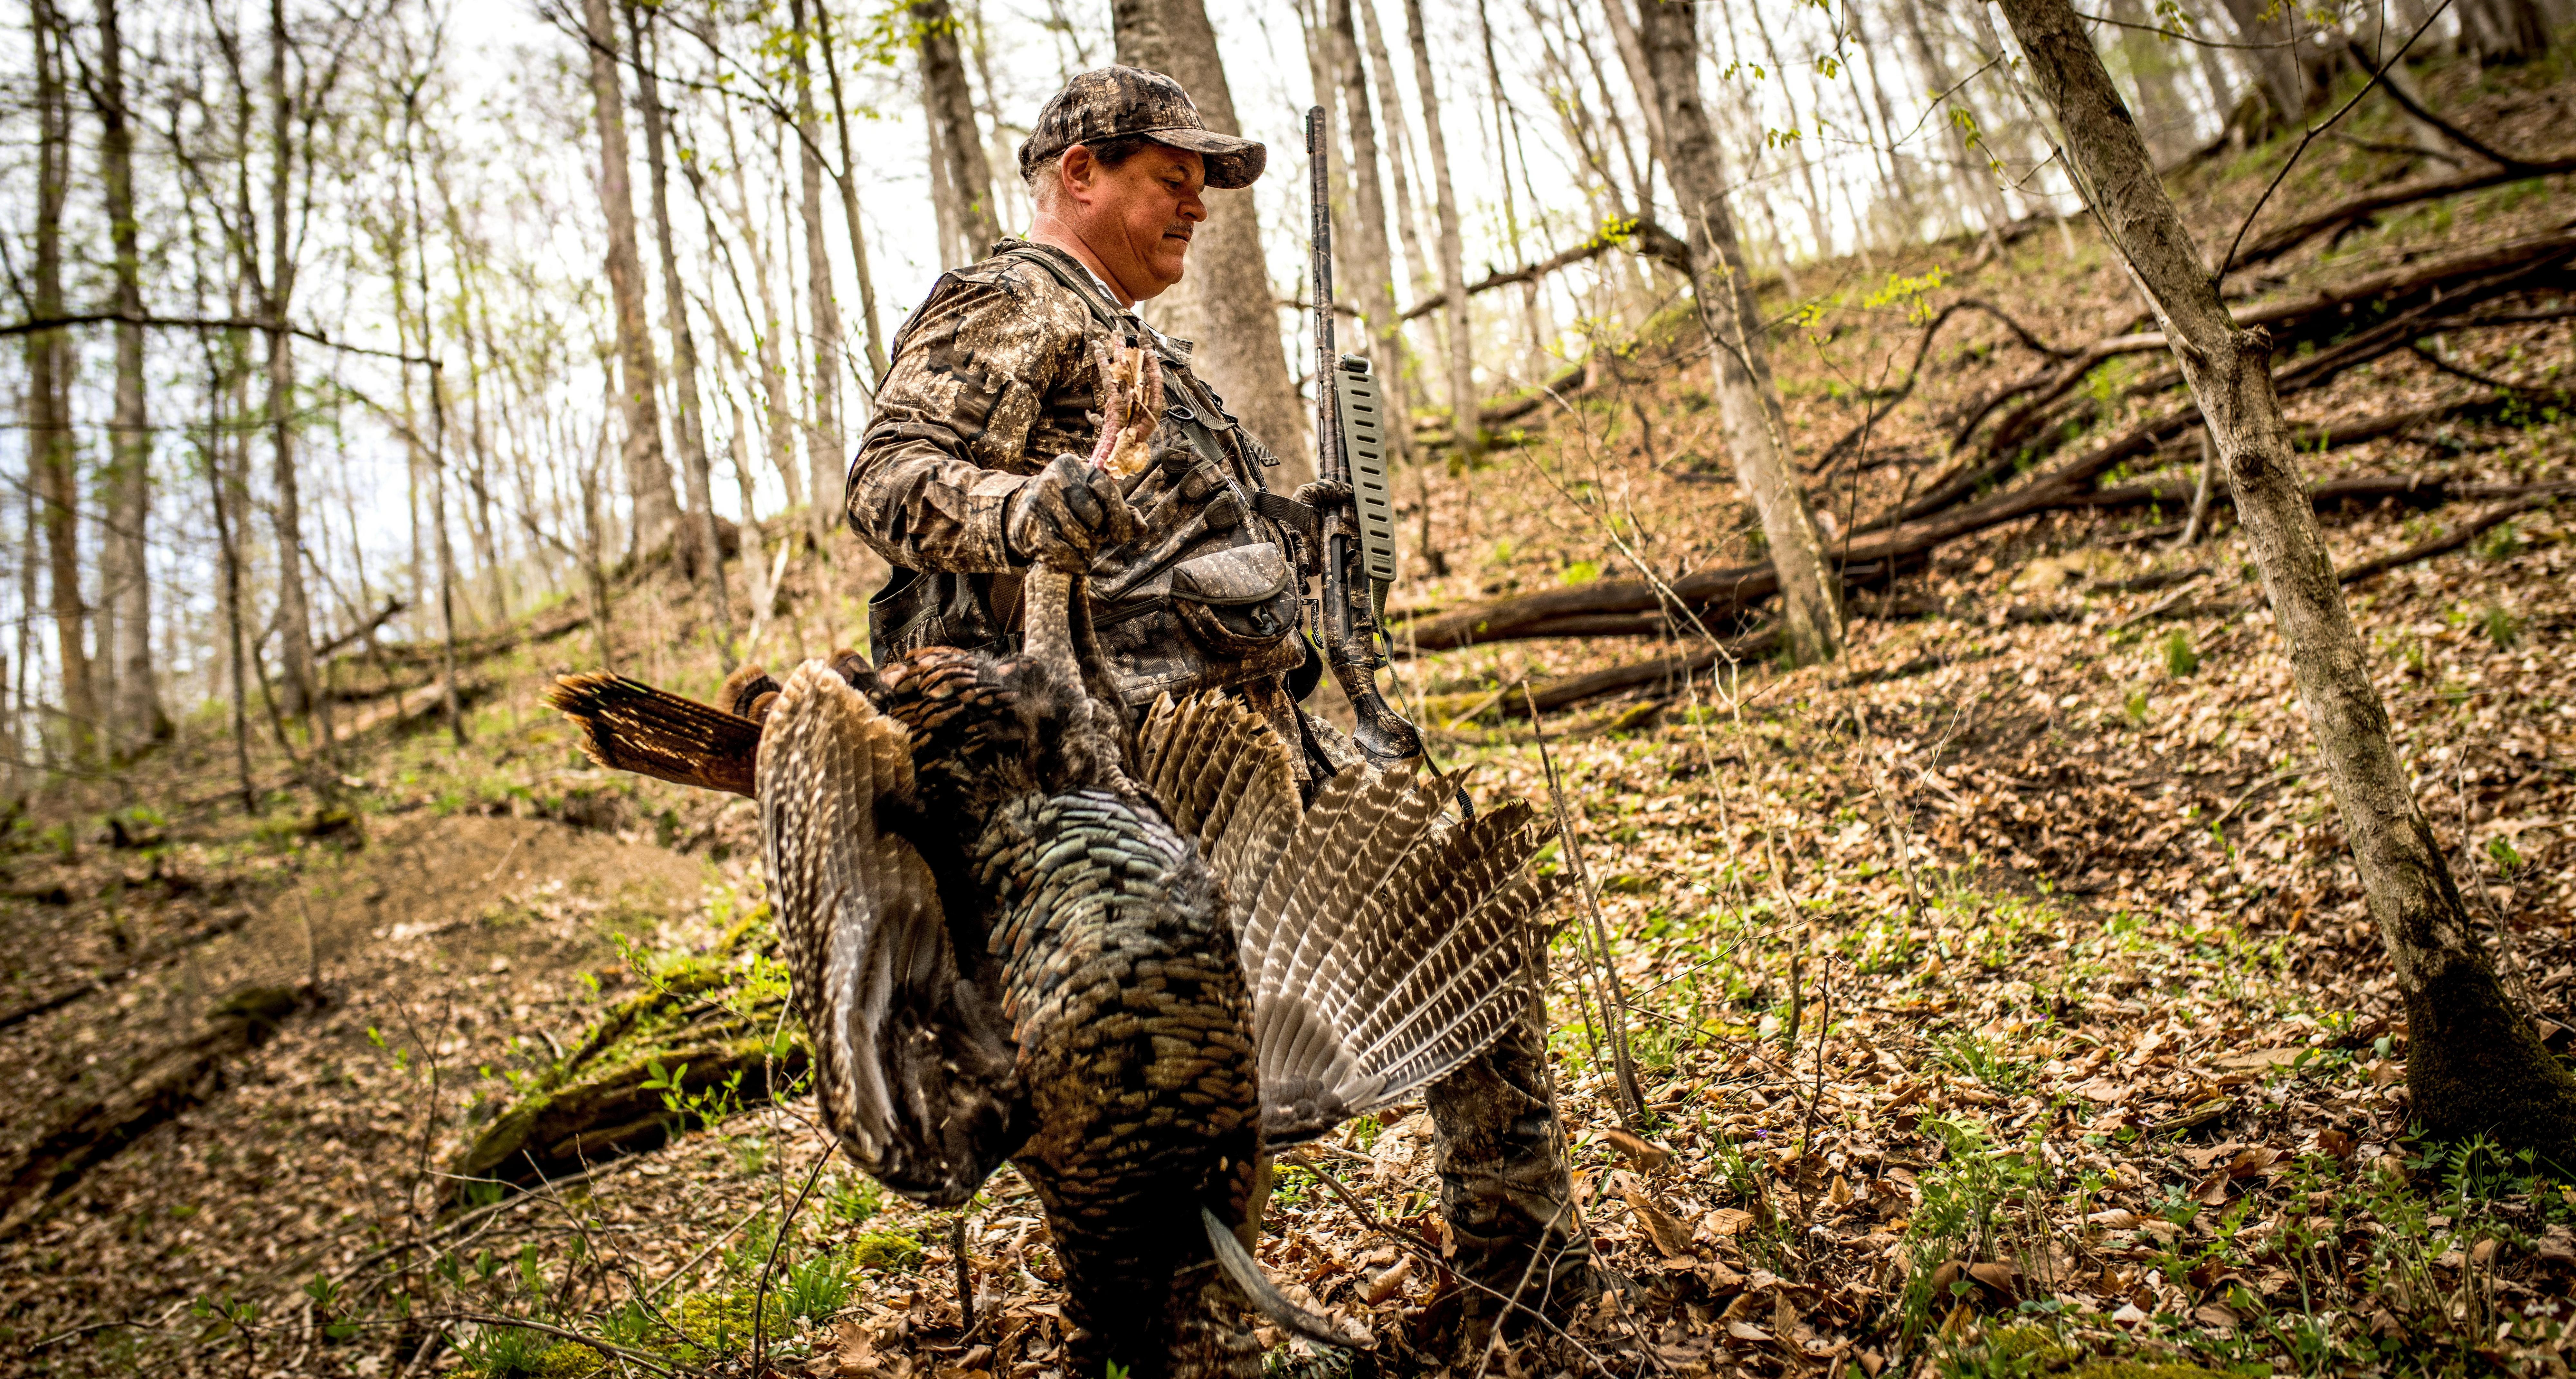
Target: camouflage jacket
<point x="994" y="375"/>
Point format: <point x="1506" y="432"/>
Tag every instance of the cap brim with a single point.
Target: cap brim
<point x="1231" y="162"/>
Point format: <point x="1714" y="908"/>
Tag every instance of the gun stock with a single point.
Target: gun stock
<point x="1358" y="554"/>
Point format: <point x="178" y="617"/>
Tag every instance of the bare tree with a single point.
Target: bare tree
<point x="1463" y="402"/>
<point x="1372" y="267"/>
<point x="2474" y="1062"/>
<point x="688" y="421"/>
<point x="138" y="718"/>
<point x="52" y="450"/>
<point x="956" y="145"/>
<point x="848" y="180"/>
<point x="826" y="463"/>
<point x="1810" y="602"/>
<point x="648" y="473"/>
<point x="2500" y="33"/>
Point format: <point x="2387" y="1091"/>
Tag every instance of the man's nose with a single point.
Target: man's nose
<point x="1192" y="209"/>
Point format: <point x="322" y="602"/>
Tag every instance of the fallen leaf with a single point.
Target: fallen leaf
<point x="1388" y="1284"/>
<point x="2128" y="1315"/>
<point x="2215" y="1316"/>
<point x="2334" y="1142"/>
<point x="1644" y="1153"/>
<point x="1747" y="1331"/>
<point x="1998" y="1277"/>
<point x="1725" y="1221"/>
<point x="2116" y="1218"/>
<point x="1670" y="1235"/>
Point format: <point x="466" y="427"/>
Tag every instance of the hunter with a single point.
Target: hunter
<point x="972" y="469"/>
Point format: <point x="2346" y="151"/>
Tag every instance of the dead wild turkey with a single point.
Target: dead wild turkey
<point x="1127" y="968"/>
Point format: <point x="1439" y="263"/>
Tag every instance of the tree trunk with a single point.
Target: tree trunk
<point x="301" y="692"/>
<point x="1373" y="288"/>
<point x="220" y="485"/>
<point x="1967" y="167"/>
<point x="1463" y="399"/>
<point x="1399" y="150"/>
<point x="139" y="718"/>
<point x="824" y="460"/>
<point x="956" y="142"/>
<point x="1810" y="605"/>
<point x="1224" y="304"/>
<point x="2502" y="33"/>
<point x="2164" y="116"/>
<point x="688" y="421"/>
<point x="648" y="474"/>
<point x="781" y="424"/>
<point x="848" y="181"/>
<point x="2474" y="1062"/>
<point x="56" y="458"/>
<point x="2273" y="31"/>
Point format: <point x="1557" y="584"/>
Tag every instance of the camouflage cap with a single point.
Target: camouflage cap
<point x="1114" y="102"/>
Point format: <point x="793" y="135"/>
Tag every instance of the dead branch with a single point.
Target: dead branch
<point x="1650" y="240"/>
<point x="1914" y="371"/>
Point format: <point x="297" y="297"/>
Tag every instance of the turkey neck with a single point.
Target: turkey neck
<point x="1061" y="643"/>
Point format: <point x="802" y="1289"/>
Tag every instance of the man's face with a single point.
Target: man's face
<point x="1136" y="217"/>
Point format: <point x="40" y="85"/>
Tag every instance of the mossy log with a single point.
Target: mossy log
<point x="707" y="1037"/>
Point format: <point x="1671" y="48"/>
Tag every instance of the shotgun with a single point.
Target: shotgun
<point x="1357" y="524"/>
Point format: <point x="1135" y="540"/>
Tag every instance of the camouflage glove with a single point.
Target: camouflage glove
<point x="1065" y="514"/>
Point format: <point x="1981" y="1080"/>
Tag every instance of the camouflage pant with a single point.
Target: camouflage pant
<point x="1504" y="1187"/>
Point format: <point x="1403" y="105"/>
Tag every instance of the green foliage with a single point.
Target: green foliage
<point x="2180" y="659"/>
<point x="818" y="1287"/>
<point x="854" y="1201"/>
<point x="887" y="1252"/>
<point x="2501" y="627"/>
<point x="506" y="1352"/>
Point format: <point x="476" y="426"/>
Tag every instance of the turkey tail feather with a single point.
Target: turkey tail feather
<point x="1383" y="945"/>
<point x="627" y="725"/>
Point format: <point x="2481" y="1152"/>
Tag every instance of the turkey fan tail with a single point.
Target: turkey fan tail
<point x="910" y="1070"/>
<point x="627" y="725"/>
<point x="1427" y="940"/>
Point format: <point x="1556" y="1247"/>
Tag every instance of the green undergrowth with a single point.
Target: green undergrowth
<point x="708" y="1034"/>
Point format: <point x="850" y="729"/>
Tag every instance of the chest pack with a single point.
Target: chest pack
<point x="1206" y="596"/>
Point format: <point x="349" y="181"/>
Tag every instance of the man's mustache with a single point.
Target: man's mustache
<point x="1178" y="227"/>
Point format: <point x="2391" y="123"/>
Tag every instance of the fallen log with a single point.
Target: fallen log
<point x="699" y="1044"/>
<point x="2275" y="243"/>
<point x="2414" y="291"/>
<point x="150" y="1091"/>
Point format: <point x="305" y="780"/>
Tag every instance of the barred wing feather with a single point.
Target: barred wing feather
<point x="911" y="1070"/>
<point x="1383" y="945"/>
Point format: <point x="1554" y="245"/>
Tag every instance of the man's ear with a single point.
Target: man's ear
<point x="1078" y="170"/>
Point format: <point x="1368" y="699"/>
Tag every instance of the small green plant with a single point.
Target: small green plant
<point x="2499" y="544"/>
<point x="854" y="1201"/>
<point x="817" y="1288"/>
<point x="2180" y="659"/>
<point x="2135" y="706"/>
<point x="2500" y="851"/>
<point x="506" y="1352"/>
<point x="2501" y="627"/>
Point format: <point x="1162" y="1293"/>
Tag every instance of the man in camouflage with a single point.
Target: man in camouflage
<point x="970" y="472"/>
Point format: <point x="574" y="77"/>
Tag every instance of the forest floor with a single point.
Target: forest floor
<point x="1999" y="999"/>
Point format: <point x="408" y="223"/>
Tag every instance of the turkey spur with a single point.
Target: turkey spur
<point x="1128" y="968"/>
